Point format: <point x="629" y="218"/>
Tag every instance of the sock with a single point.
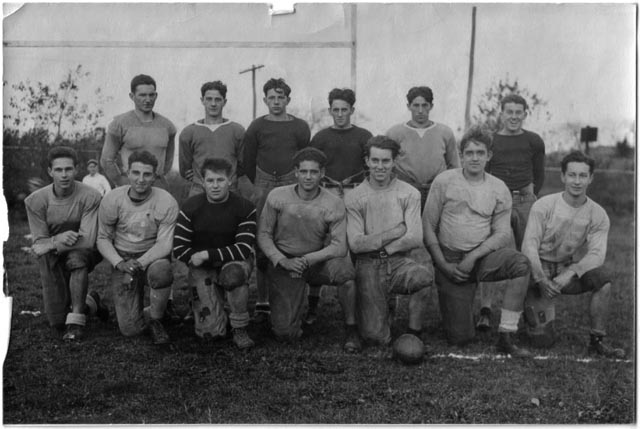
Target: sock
<point x="509" y="320"/>
<point x="262" y="307"/>
<point x="76" y="319"/>
<point x="92" y="306"/>
<point x="158" y="302"/>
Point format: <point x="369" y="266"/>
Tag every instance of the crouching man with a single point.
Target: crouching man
<point x="385" y="234"/>
<point x="467" y="230"/>
<point x="214" y="236"/>
<point x="302" y="231"/>
<point x="136" y="224"/>
<point x="63" y="222"/>
<point x="566" y="242"/>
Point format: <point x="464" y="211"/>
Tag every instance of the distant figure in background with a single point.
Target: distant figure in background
<point x="344" y="146"/>
<point x="269" y="145"/>
<point x="63" y="220"/>
<point x="566" y="242"/>
<point x="214" y="237"/>
<point x="427" y="148"/>
<point x="136" y="130"/>
<point x="518" y="160"/>
<point x="214" y="136"/>
<point x="96" y="180"/>
<point x="135" y="233"/>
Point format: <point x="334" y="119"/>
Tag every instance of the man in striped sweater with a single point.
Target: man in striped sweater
<point x="214" y="236"/>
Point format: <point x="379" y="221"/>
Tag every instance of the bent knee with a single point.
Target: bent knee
<point x="77" y="259"/>
<point x="519" y="266"/>
<point x="160" y="274"/>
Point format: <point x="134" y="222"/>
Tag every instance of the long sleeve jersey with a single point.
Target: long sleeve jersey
<point x="132" y="227"/>
<point x="200" y="141"/>
<point x="425" y="152"/>
<point x="558" y="232"/>
<point x="344" y="149"/>
<point x="127" y="134"/>
<point x="370" y="212"/>
<point x="518" y="160"/>
<point x="270" y="145"/>
<point x="49" y="215"/>
<point x="465" y="215"/>
<point x="290" y="225"/>
<point x="226" y="230"/>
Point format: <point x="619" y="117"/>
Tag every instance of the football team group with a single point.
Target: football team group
<point x="374" y="216"/>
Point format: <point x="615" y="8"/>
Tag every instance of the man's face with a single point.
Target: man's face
<point x="63" y="173"/>
<point x="276" y="101"/>
<point x="341" y="112"/>
<point x="380" y="163"/>
<point x="141" y="177"/>
<point x="216" y="185"/>
<point x="309" y="175"/>
<point x="420" y="109"/>
<point x="474" y="157"/>
<point x="92" y="168"/>
<point x="213" y="103"/>
<point x="512" y="117"/>
<point x="144" y="98"/>
<point x="577" y="179"/>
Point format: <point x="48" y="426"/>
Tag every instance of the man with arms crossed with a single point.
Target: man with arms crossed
<point x="214" y="236"/>
<point x="136" y="130"/>
<point x="518" y="160"/>
<point x="566" y="242"/>
<point x="466" y="224"/>
<point x="269" y="145"/>
<point x="214" y="136"/>
<point x="427" y="148"/>
<point x="385" y="234"/>
<point x="303" y="233"/>
<point x="136" y="224"/>
<point x="63" y="222"/>
<point x="344" y="146"/>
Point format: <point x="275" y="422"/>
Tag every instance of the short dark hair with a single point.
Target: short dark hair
<point x="513" y="98"/>
<point x="420" y="91"/>
<point x="383" y="142"/>
<point x="215" y="85"/>
<point x="476" y="134"/>
<point x="92" y="161"/>
<point x="144" y="157"/>
<point x="277" y="84"/>
<point x="310" y="154"/>
<point x="577" y="156"/>
<point x="216" y="165"/>
<point x="142" y="79"/>
<point x="344" y="94"/>
<point x="62" y="152"/>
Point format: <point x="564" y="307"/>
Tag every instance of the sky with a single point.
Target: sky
<point x="580" y="58"/>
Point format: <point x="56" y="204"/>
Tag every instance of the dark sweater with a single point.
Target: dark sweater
<point x="345" y="150"/>
<point x="270" y="145"/>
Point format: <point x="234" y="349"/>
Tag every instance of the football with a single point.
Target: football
<point x="408" y="349"/>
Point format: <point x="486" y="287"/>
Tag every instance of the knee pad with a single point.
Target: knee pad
<point x="76" y="260"/>
<point x="232" y="276"/>
<point x="159" y="274"/>
<point x="519" y="266"/>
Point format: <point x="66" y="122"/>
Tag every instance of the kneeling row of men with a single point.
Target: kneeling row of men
<point x="312" y="237"/>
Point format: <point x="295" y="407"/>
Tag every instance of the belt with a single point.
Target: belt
<point x="526" y="190"/>
<point x="338" y="185"/>
<point x="379" y="254"/>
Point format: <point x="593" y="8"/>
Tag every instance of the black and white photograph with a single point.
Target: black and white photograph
<point x="319" y="213"/>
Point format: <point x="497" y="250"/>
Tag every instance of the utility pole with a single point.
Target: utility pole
<point x="253" y="83"/>
<point x="467" y="110"/>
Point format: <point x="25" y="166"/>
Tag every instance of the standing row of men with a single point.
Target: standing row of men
<point x="303" y="231"/>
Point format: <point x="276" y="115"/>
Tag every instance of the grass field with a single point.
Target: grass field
<point x="112" y="379"/>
